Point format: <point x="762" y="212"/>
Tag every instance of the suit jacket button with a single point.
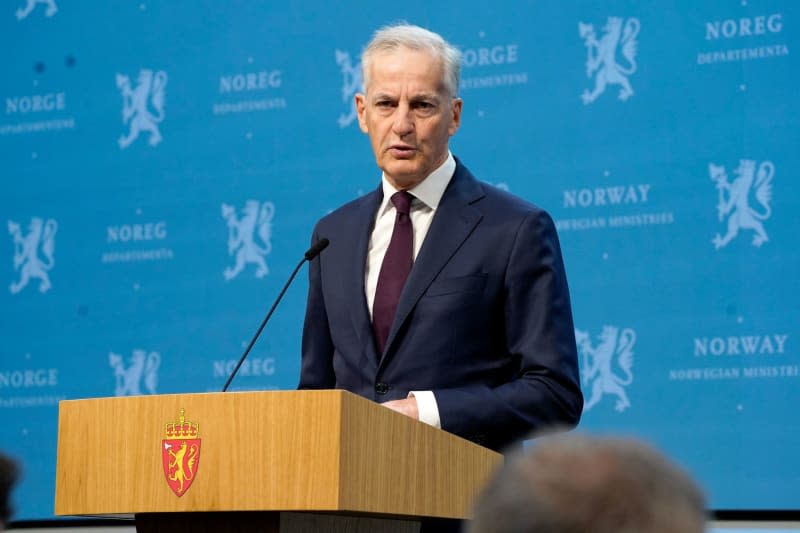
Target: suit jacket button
<point x="381" y="388"/>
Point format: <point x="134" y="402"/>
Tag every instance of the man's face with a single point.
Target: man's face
<point x="408" y="115"/>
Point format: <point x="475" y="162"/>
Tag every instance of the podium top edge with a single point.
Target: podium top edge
<point x="331" y="392"/>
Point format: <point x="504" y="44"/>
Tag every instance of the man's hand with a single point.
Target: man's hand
<point x="407" y="407"/>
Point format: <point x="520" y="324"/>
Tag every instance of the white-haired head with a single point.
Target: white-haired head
<point x="391" y="38"/>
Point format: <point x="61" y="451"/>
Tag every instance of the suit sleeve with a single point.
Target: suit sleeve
<point x="316" y="368"/>
<point x="540" y="335"/>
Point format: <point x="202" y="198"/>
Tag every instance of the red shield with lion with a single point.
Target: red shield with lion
<point x="180" y="454"/>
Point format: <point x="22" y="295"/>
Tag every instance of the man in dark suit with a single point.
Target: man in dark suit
<point x="441" y="297"/>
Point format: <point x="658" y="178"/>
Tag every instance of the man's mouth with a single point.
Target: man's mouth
<point x="402" y="151"/>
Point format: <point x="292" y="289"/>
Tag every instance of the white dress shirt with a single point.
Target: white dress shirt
<point x="427" y="195"/>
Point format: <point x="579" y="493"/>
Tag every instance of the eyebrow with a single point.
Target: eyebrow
<point x="414" y="98"/>
<point x="425" y="96"/>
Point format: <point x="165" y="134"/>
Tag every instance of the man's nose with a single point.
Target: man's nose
<point x="403" y="120"/>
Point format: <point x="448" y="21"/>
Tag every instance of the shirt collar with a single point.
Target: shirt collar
<point x="429" y="191"/>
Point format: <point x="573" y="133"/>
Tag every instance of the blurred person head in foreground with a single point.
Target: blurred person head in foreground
<point x="571" y="483"/>
<point x="9" y="472"/>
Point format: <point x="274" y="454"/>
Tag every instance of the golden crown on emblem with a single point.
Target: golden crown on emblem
<point x="181" y="428"/>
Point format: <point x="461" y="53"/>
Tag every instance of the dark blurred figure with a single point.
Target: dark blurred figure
<point x="9" y="472"/>
<point x="576" y="484"/>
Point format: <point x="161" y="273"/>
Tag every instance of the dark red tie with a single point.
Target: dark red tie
<point x="394" y="270"/>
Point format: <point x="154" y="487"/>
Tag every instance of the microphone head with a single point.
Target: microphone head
<point x="314" y="251"/>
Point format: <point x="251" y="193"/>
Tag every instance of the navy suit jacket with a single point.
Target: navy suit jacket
<point x="484" y="320"/>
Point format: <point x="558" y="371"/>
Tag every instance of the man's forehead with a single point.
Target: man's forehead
<point x="387" y="67"/>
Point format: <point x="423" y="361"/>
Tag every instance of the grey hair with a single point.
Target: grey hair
<point x="390" y="38"/>
<point x="574" y="484"/>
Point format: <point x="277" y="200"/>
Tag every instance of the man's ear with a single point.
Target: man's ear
<point x="455" y="109"/>
<point x="361" y="109"/>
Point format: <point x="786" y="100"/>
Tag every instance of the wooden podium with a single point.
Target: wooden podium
<point x="261" y="461"/>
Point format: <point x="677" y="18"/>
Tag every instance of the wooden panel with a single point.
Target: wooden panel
<point x="258" y="451"/>
<point x="393" y="464"/>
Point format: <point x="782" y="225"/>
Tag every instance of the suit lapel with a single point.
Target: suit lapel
<point x="454" y="220"/>
<point x="363" y="222"/>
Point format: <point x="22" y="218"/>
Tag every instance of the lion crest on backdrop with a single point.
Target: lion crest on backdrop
<point x="255" y="224"/>
<point x="33" y="253"/>
<point x="734" y="199"/>
<point x="598" y="364"/>
<point x="141" y="370"/>
<point x="142" y="106"/>
<point x="50" y="10"/>
<point x="601" y="56"/>
<point x="351" y="84"/>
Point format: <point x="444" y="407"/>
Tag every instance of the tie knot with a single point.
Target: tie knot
<point x="402" y="202"/>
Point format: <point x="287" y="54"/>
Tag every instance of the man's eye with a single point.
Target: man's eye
<point x="383" y="103"/>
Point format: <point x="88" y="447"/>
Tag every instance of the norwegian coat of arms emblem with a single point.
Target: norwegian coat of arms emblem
<point x="614" y="351"/>
<point x="143" y="105"/>
<point x="180" y="453"/>
<point x="30" y="6"/>
<point x="602" y="56"/>
<point x="735" y="196"/>
<point x="256" y="221"/>
<point x="351" y="83"/>
<point x="28" y="252"/>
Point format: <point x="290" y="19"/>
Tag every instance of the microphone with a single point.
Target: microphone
<point x="314" y="251"/>
<point x="310" y="254"/>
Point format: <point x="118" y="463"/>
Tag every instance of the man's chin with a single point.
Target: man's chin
<point x="404" y="181"/>
<point x="403" y="174"/>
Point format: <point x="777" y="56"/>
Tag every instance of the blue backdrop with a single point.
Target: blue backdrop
<point x="163" y="164"/>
